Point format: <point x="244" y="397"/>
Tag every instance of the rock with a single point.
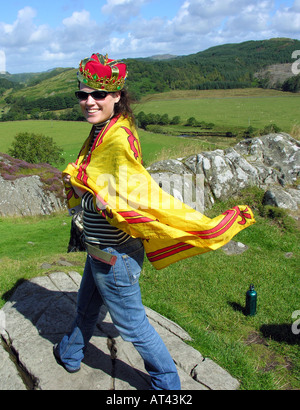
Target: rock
<point x="280" y="198"/>
<point x="9" y="376"/>
<point x="279" y="152"/>
<point x="289" y="255"/>
<point x="27" y="196"/>
<point x="62" y="262"/>
<point x="271" y="162"/>
<point x="234" y="248"/>
<point x="41" y="311"/>
<point x="46" y="266"/>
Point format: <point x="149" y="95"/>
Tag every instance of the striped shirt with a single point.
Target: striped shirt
<point x="97" y="230"/>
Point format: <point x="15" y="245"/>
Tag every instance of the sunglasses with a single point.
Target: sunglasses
<point x="97" y="95"/>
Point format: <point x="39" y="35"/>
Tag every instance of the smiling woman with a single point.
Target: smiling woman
<point x="115" y="258"/>
<point x="97" y="106"/>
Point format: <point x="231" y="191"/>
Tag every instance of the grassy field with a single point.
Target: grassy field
<point x="229" y="110"/>
<point x="205" y="294"/>
<point x="70" y="136"/>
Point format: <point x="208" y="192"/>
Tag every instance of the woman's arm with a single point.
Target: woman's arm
<point x="79" y="191"/>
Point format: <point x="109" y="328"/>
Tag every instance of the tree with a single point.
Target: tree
<point x="175" y="120"/>
<point x="292" y="84"/>
<point x="35" y="149"/>
<point x="192" y="122"/>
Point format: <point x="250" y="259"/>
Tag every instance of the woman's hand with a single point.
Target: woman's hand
<point x="67" y="180"/>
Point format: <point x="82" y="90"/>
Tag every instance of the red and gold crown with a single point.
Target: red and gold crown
<point x="102" y="73"/>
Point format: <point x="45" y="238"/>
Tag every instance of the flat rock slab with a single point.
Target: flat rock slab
<point x="41" y="311"/>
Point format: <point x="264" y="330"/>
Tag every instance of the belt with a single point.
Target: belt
<point x="100" y="255"/>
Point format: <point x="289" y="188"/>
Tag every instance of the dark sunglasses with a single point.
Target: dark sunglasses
<point x="97" y="95"/>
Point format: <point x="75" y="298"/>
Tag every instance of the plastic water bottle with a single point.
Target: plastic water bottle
<point x="251" y="301"/>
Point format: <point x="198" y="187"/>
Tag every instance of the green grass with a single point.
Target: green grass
<point x="227" y="109"/>
<point x="68" y="135"/>
<point x="27" y="242"/>
<point x="71" y="135"/>
<point x="204" y="294"/>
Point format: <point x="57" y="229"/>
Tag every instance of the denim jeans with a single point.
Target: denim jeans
<point x="117" y="287"/>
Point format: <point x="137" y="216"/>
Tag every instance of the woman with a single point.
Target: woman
<point x="115" y="285"/>
<point x="125" y="212"/>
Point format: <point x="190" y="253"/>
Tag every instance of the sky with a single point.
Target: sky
<point x="37" y="36"/>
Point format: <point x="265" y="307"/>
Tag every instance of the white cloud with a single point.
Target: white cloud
<point x="80" y="19"/>
<point x="18" y="33"/>
<point x="120" y="9"/>
<point x="287" y="20"/>
<point x="296" y="6"/>
<point x="2" y="62"/>
<point x="121" y="28"/>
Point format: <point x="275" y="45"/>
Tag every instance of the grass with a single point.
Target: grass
<point x="227" y="109"/>
<point x="204" y="294"/>
<point x="70" y="136"/>
<point x="27" y="242"/>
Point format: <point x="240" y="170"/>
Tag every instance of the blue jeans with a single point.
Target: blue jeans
<point x="117" y="287"/>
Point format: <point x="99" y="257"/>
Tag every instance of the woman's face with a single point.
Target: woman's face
<point x="98" y="111"/>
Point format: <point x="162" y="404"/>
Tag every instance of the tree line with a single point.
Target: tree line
<point x="43" y="108"/>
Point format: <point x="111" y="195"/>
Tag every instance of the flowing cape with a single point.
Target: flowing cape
<point x="129" y="198"/>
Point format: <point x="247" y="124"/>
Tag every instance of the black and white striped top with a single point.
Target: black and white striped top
<point x="97" y="230"/>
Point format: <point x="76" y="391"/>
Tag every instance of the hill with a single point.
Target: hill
<point x="220" y="67"/>
<point x="227" y="66"/>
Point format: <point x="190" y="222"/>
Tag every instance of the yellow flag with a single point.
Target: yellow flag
<point x="128" y="197"/>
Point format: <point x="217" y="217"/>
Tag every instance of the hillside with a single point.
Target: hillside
<point x="220" y="67"/>
<point x="227" y="66"/>
<point x="275" y="74"/>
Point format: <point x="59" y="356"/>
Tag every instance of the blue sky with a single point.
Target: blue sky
<point x="36" y="35"/>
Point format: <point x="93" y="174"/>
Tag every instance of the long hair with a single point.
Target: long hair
<point x="123" y="106"/>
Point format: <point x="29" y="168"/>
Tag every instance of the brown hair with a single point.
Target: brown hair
<point x="123" y="106"/>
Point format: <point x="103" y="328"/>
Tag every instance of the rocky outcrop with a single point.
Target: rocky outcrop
<point x="271" y="162"/>
<point x="41" y="311"/>
<point x="27" y="196"/>
<point x="29" y="189"/>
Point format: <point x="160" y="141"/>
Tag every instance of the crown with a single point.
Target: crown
<point x="102" y="73"/>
